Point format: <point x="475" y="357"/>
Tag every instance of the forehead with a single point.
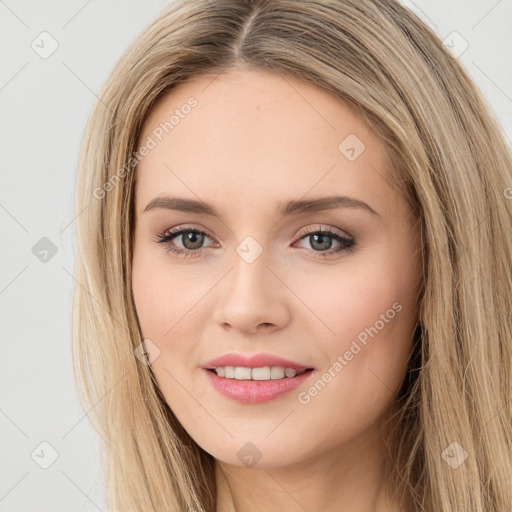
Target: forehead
<point x="256" y="135"/>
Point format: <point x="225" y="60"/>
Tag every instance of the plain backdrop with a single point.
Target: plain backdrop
<point x="55" y="56"/>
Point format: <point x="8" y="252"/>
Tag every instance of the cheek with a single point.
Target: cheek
<point x="347" y="300"/>
<point x="150" y="301"/>
<point x="168" y="304"/>
<point x="154" y="295"/>
<point x="366" y="316"/>
<point x="364" y="349"/>
<point x="162" y="304"/>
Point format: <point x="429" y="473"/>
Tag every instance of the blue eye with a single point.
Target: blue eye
<point x="193" y="239"/>
<point x="320" y="238"/>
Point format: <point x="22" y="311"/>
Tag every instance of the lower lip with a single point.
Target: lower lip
<point x="255" y="391"/>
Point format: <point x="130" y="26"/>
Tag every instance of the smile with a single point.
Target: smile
<point x="253" y="391"/>
<point x="262" y="373"/>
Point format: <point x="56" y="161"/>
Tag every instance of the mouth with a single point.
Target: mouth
<point x="265" y="373"/>
<point x="257" y="385"/>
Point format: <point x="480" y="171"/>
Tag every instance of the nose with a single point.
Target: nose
<point x="252" y="298"/>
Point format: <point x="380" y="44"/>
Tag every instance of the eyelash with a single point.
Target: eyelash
<point x="165" y="239"/>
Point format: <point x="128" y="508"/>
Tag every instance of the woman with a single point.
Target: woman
<point x="295" y="256"/>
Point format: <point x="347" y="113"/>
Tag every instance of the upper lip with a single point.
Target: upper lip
<point x="254" y="361"/>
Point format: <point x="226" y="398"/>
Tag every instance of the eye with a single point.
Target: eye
<point x="319" y="240"/>
<point x="192" y="240"/>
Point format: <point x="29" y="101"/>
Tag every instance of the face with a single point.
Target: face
<point x="330" y="286"/>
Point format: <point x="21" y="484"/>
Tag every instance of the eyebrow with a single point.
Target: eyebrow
<point x="292" y="207"/>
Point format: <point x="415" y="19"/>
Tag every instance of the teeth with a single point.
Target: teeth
<point x="264" y="373"/>
<point x="242" y="373"/>
<point x="290" y="372"/>
<point x="276" y="372"/>
<point x="261" y="373"/>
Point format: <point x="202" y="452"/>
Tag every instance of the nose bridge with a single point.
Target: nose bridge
<point x="250" y="272"/>
<point x="251" y="294"/>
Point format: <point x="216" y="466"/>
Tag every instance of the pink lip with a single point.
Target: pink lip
<point x="255" y="361"/>
<point x="255" y="391"/>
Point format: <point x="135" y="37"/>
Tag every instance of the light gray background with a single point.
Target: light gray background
<point x="45" y="104"/>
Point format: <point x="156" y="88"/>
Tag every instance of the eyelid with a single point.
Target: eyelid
<point x="167" y="236"/>
<point x="325" y="229"/>
<point x="184" y="228"/>
<point x="303" y="232"/>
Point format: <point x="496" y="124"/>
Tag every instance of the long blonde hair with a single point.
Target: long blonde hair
<point x="452" y="164"/>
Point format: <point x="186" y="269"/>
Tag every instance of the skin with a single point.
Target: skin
<point x="253" y="141"/>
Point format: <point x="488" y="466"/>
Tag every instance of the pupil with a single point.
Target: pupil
<point x="324" y="238"/>
<point x="195" y="239"/>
